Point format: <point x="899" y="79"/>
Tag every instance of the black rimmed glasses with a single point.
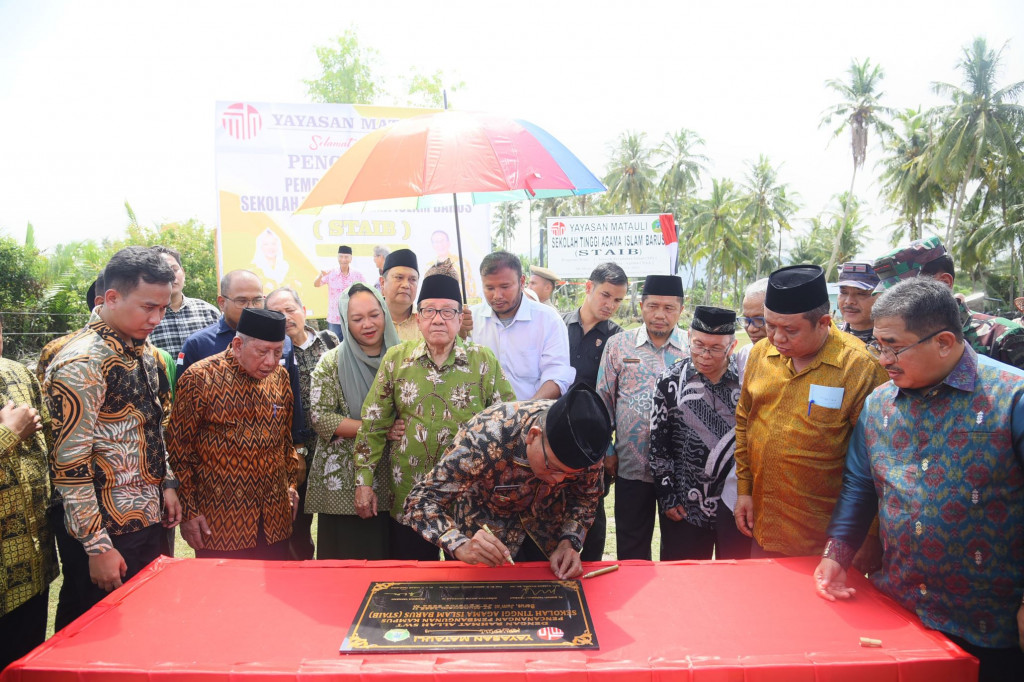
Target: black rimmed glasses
<point x="698" y="348"/>
<point x="445" y="313"/>
<point x="755" y="322"/>
<point x="890" y="355"/>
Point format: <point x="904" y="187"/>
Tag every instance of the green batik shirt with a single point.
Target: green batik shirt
<point x="433" y="401"/>
<point x="28" y="556"/>
<point x="332" y="473"/>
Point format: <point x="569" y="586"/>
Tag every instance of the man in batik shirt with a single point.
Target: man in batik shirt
<point x="230" y="444"/>
<point x="522" y="480"/>
<point x="110" y="471"/>
<point x="434" y="385"/>
<point x="693" y="436"/>
<point x="633" y="362"/>
<point x="938" y="455"/>
<point x="28" y="557"/>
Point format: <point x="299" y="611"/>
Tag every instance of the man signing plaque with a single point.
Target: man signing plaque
<point x="522" y="480"/>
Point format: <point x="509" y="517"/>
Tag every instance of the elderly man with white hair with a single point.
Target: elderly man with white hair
<point x="434" y="385"/>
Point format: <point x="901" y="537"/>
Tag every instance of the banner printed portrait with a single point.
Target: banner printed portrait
<point x="269" y="157"/>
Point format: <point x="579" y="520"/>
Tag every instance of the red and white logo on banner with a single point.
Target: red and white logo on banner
<point x="550" y="634"/>
<point x="558" y="228"/>
<point x="242" y="121"/>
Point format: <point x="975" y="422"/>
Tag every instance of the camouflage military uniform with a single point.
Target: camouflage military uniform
<point x="996" y="337"/>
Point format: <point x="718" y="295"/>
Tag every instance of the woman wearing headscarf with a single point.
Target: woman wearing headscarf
<point x="339" y="383"/>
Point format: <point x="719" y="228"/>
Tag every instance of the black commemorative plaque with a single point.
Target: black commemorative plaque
<point x="440" y="616"/>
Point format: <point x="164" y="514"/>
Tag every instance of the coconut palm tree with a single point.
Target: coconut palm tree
<point x="631" y="175"/>
<point x="714" y="237"/>
<point x="907" y="185"/>
<point x="681" y="168"/>
<point x="841" y="224"/>
<point x="505" y="220"/>
<point x="978" y="130"/>
<point x="860" y="111"/>
<point x="764" y="204"/>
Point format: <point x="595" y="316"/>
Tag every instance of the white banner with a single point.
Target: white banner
<point x="269" y="157"/>
<point x="636" y="243"/>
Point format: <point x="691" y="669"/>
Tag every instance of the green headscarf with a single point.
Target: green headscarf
<point x="356" y="369"/>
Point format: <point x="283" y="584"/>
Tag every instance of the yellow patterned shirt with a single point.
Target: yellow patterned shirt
<point x="790" y="451"/>
<point x="28" y="557"/>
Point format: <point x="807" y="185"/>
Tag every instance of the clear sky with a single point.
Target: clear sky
<point x="102" y="102"/>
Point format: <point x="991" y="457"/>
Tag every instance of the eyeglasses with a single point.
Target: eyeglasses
<point x="698" y="348"/>
<point x="247" y="302"/>
<point x="890" y="355"/>
<point x="552" y="470"/>
<point x="755" y="322"/>
<point x="445" y="313"/>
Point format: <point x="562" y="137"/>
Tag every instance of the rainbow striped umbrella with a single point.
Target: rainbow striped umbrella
<point x="426" y="159"/>
<point x="430" y="160"/>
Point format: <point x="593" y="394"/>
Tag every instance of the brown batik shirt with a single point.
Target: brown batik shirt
<point x="485" y="479"/>
<point x="230" y="443"/>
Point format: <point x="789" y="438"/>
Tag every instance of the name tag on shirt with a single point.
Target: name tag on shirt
<point x="825" y="396"/>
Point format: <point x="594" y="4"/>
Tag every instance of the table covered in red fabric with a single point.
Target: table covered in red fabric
<point x="191" y="619"/>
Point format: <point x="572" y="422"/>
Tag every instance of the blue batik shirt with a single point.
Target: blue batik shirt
<point x="944" y="470"/>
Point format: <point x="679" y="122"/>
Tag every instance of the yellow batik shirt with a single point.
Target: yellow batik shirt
<point x="792" y="429"/>
<point x="28" y="556"/>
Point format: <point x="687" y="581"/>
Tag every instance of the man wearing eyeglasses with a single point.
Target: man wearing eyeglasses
<point x="228" y="442"/>
<point x="996" y="337"/>
<point x="435" y="385"/>
<point x="239" y="290"/>
<point x="938" y="455"/>
<point x="521" y="482"/>
<point x="693" y="437"/>
<point x="753" y="310"/>
<point x="802" y="393"/>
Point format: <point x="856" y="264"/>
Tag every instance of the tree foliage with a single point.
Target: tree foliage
<point x="347" y="72"/>
<point x="43" y="292"/>
<point x="351" y="73"/>
<point x="860" y="110"/>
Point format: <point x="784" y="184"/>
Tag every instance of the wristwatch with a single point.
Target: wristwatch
<point x="574" y="541"/>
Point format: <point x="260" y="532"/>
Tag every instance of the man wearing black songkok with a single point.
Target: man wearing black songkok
<point x="398" y="284"/>
<point x="633" y="362"/>
<point x="229" y="441"/>
<point x="693" y="435"/>
<point x="802" y="395"/>
<point x="529" y="472"/>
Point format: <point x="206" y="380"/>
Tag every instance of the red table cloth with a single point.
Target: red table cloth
<point x="192" y="619"/>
